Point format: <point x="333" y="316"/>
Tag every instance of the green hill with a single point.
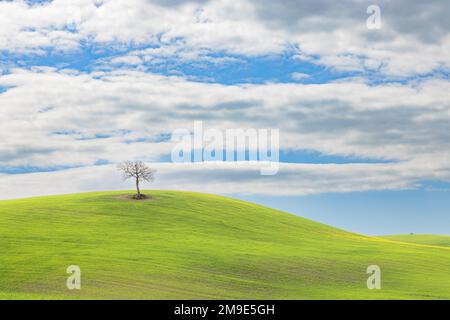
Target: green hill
<point x="182" y="245"/>
<point x="427" y="239"/>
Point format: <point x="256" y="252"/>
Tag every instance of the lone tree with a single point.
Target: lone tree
<point x="139" y="171"/>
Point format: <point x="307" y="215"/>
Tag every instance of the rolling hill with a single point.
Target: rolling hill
<point x="181" y="245"/>
<point x="426" y="239"/>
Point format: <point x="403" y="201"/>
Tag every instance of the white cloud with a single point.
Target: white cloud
<point x="223" y="178"/>
<point x="299" y="76"/>
<point x="132" y="60"/>
<point x="333" y="34"/>
<point x="54" y="118"/>
<point x="51" y="118"/>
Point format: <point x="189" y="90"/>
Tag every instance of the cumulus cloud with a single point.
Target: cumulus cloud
<point x="414" y="38"/>
<point x="61" y="118"/>
<point x="224" y="178"/>
<point x="55" y="118"/>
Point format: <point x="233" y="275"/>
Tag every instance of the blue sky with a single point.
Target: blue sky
<point x="237" y="69"/>
<point x="363" y="114"/>
<point x="371" y="213"/>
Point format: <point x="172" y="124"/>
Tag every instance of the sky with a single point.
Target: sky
<point x="363" y="114"/>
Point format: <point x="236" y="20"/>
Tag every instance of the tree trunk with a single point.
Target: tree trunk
<point x="137" y="188"/>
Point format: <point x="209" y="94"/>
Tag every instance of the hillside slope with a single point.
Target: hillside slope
<point x="427" y="239"/>
<point x="195" y="246"/>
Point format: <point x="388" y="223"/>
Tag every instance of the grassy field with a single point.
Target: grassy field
<point x="427" y="239"/>
<point x="195" y="246"/>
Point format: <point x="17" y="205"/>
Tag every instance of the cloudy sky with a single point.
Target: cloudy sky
<point x="363" y="114"/>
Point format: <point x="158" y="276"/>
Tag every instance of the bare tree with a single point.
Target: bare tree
<point x="137" y="170"/>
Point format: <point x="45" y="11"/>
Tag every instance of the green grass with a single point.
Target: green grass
<point x="196" y="246"/>
<point x="426" y="239"/>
